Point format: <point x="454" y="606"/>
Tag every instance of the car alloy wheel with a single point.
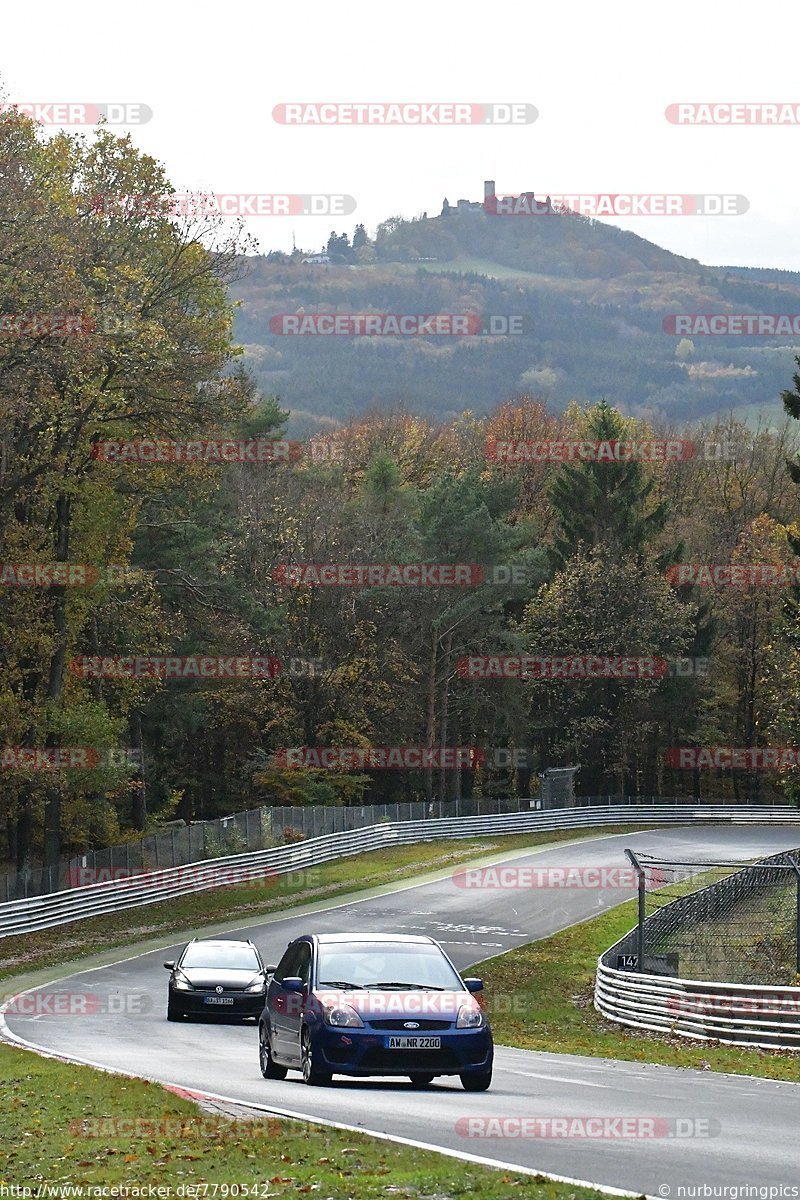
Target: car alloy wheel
<point x="311" y="1073"/>
<point x="269" y="1068"/>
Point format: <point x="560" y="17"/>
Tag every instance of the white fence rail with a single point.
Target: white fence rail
<point x="733" y="1013"/>
<point x="59" y="908"/>
<point x="765" y="1015"/>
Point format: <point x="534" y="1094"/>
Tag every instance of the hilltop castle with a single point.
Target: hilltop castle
<point x="489" y="194"/>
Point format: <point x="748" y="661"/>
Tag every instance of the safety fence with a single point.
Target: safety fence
<point x="744" y="926"/>
<point x="255" y="829"/>
<point x="150" y="887"/>
<point x="271" y="826"/>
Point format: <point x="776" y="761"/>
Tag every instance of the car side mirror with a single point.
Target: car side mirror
<point x="292" y="983"/>
<point x="170" y="966"/>
<point x="473" y="985"/>
<point x="271" y="969"/>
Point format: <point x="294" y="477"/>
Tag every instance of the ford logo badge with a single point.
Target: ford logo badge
<point x="410" y="1024"/>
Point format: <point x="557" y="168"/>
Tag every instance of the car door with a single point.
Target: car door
<point x="294" y="1009"/>
<point x="285" y="1007"/>
<point x="278" y="1000"/>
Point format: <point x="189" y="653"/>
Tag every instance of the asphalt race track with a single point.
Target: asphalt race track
<point x="756" y="1141"/>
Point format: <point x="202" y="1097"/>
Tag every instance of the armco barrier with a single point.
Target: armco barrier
<point x="59" y="908"/>
<point x="732" y="1013"/>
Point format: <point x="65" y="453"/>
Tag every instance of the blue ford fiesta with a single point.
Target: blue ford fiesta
<point x="373" y="1004"/>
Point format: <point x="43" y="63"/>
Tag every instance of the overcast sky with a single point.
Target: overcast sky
<point x="600" y="76"/>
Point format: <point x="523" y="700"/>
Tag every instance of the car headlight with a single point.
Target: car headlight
<point x="341" y="1015"/>
<point x="469" y="1017"/>
<point x="182" y="983"/>
<point x="258" y="985"/>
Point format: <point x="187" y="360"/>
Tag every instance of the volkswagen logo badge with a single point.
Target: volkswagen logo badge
<point x="410" y="1024"/>
<point x="218" y="988"/>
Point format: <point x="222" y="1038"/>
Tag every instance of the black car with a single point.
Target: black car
<point x="224" y="977"/>
<point x="373" y="1004"/>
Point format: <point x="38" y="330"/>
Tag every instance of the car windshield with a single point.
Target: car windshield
<point x="386" y="964"/>
<point x="232" y="957"/>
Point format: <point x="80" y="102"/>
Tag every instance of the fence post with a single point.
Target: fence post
<point x="796" y="916"/>
<point x="640" y="876"/>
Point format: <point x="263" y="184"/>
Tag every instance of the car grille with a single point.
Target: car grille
<point x="422" y="1025"/>
<point x="411" y="1060"/>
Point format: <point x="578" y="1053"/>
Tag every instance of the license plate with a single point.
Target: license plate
<point x="219" y="1000"/>
<point x="413" y="1043"/>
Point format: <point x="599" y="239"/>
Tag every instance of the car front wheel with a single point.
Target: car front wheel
<point x="312" y="1074"/>
<point x="269" y="1068"/>
<point x="476" y="1081"/>
<point x="173" y="1012"/>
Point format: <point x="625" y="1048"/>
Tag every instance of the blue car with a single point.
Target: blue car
<point x="373" y="1004"/>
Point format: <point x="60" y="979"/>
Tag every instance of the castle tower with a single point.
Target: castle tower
<point x="488" y="188"/>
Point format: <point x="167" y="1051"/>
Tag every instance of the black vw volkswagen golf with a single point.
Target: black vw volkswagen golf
<point x="225" y="977"/>
<point x="373" y="1004"/>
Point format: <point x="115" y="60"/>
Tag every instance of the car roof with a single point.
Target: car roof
<point x="220" y="942"/>
<point x="333" y="938"/>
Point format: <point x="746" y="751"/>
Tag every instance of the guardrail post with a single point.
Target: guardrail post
<point x="640" y="876"/>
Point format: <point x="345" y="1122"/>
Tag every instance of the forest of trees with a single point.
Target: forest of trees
<point x="591" y="301"/>
<point x="194" y="558"/>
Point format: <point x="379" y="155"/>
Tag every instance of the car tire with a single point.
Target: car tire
<point x="312" y="1074"/>
<point x="476" y="1081"/>
<point x="173" y="1012"/>
<point x="421" y="1079"/>
<point x="269" y="1068"/>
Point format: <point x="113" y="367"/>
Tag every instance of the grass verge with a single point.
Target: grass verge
<point x="64" y="1124"/>
<point x="547" y="988"/>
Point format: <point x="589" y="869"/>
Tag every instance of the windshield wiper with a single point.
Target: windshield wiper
<point x="341" y="983"/>
<point x="412" y="987"/>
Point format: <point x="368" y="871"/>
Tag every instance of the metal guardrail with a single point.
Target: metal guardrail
<point x="732" y="1013"/>
<point x="59" y="908"/>
<point x="767" y="1016"/>
<point x="275" y="825"/>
